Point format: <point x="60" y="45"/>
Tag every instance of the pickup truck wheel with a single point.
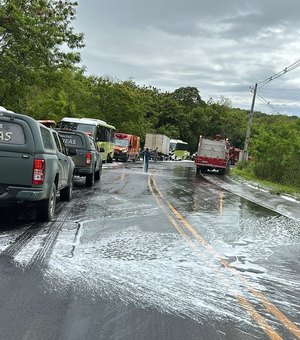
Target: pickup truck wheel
<point x="66" y="193"/>
<point x="90" y="179"/>
<point x="97" y="175"/>
<point x="46" y="208"/>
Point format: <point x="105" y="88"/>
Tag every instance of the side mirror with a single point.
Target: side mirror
<point x="72" y="152"/>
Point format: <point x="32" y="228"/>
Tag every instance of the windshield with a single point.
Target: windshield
<point x="172" y="146"/>
<point x="178" y="146"/>
<point x="121" y="142"/>
<point x="77" y="126"/>
<point x="181" y="146"/>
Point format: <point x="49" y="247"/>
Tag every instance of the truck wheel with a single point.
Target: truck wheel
<point x="109" y="159"/>
<point x="198" y="170"/>
<point x="66" y="193"/>
<point x="90" y="179"/>
<point x="46" y="208"/>
<point x="97" y="175"/>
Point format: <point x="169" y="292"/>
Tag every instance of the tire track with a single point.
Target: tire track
<point x="24" y="238"/>
<point x="42" y="256"/>
<point x="21" y="241"/>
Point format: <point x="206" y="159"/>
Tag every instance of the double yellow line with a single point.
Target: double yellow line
<point x="269" y="306"/>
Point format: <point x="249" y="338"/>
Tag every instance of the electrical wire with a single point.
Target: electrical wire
<point x="268" y="103"/>
<point x="279" y="74"/>
<point x="279" y="101"/>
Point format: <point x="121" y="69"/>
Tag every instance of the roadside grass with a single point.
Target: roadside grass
<point x="246" y="174"/>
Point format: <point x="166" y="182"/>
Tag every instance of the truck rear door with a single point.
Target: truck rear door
<point x="73" y="140"/>
<point x="16" y="153"/>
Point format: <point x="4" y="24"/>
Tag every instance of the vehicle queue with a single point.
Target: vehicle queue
<point x="51" y="155"/>
<point x="39" y="159"/>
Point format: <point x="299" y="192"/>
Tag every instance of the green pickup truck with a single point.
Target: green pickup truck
<point x="34" y="164"/>
<point x="85" y="154"/>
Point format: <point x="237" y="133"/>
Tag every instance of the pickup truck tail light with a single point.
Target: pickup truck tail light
<point x="88" y="158"/>
<point x="38" y="174"/>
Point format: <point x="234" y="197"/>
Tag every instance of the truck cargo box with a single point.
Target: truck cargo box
<point x="212" y="155"/>
<point x="158" y="142"/>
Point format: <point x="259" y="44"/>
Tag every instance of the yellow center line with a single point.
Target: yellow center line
<point x="175" y="224"/>
<point x="258" y="318"/>
<point x="243" y="302"/>
<point x="263" y="299"/>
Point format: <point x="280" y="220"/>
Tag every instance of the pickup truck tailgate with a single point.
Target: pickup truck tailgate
<point x="16" y="168"/>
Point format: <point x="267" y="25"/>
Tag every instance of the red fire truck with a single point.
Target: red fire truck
<point x="234" y="154"/>
<point x="212" y="154"/>
<point x="127" y="147"/>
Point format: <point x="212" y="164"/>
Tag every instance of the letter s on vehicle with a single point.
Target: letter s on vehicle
<point x="5" y="136"/>
<point x="8" y="136"/>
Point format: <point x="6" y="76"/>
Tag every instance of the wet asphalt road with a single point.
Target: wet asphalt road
<point x="162" y="255"/>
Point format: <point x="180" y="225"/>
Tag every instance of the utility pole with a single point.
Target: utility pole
<point x="245" y="154"/>
<point x="260" y="84"/>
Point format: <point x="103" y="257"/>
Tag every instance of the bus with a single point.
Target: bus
<point x="178" y="150"/>
<point x="102" y="133"/>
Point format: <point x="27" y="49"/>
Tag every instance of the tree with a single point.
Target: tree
<point x="188" y="96"/>
<point x="170" y="112"/>
<point x="32" y="33"/>
<point x="275" y="148"/>
<point x="59" y="94"/>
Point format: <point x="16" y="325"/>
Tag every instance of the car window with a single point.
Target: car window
<point x="72" y="139"/>
<point x="67" y="125"/>
<point x="59" y="142"/>
<point x="92" y="144"/>
<point x="62" y="144"/>
<point x="46" y="137"/>
<point x="11" y="133"/>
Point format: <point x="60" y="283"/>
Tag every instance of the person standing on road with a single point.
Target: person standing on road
<point x="146" y="159"/>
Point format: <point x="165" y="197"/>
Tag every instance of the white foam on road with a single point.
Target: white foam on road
<point x="149" y="270"/>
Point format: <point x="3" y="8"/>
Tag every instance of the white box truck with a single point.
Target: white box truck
<point x="158" y="143"/>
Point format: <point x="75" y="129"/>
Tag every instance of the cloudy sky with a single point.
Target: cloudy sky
<point x="221" y="47"/>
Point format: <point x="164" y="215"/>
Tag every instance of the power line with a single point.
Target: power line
<point x="279" y="101"/>
<point x="279" y="74"/>
<point x="264" y="100"/>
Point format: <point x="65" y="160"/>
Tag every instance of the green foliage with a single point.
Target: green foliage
<point x="188" y="96"/>
<point x="275" y="188"/>
<point x="31" y="35"/>
<point x="241" y="165"/>
<point x="275" y="149"/>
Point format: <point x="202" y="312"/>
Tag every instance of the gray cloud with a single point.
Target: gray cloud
<point x="220" y="47"/>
